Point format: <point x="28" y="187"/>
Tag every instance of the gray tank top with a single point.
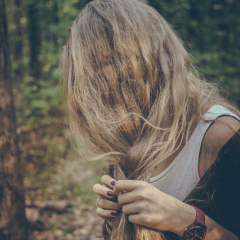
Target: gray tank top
<point x="181" y="176"/>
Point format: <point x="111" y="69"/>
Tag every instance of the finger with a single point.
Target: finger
<point x="127" y="198"/>
<point x="105" y="213"/>
<point x="126" y="185"/>
<point x="132" y="208"/>
<point x="106" y="204"/>
<point x="108" y="181"/>
<point x="103" y="191"/>
<point x="135" y="218"/>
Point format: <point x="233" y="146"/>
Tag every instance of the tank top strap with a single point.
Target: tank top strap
<point x="216" y="111"/>
<point x="197" y="137"/>
<point x="181" y="176"/>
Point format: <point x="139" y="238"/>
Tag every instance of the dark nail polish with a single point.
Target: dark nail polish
<point x="113" y="183"/>
<point x="110" y="194"/>
<point x="114" y="213"/>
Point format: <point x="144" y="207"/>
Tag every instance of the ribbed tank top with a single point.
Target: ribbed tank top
<point x="181" y="176"/>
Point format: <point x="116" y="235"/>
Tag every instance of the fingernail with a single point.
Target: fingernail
<point x="110" y="194"/>
<point x="113" y="183"/>
<point x="114" y="213"/>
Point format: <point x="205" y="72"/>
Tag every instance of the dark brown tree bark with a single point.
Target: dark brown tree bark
<point x="18" y="44"/>
<point x="56" y="21"/>
<point x="34" y="41"/>
<point x="12" y="207"/>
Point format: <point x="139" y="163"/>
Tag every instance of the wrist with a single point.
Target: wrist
<point x="185" y="217"/>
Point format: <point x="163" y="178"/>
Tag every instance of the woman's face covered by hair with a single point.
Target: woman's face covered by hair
<point x="131" y="95"/>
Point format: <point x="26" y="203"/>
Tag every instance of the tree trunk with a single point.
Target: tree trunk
<point x="56" y="21"/>
<point x="13" y="224"/>
<point x="34" y="41"/>
<point x="18" y="44"/>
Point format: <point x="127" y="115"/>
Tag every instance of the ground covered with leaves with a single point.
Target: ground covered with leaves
<point x="73" y="225"/>
<point x="60" y="203"/>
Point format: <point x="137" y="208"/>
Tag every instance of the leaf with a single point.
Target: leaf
<point x="42" y="104"/>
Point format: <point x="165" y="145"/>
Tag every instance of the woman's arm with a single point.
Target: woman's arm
<point x="214" y="230"/>
<point x="217" y="232"/>
<point x="218" y="134"/>
<point x="147" y="206"/>
<point x="219" y="185"/>
<point x="186" y="214"/>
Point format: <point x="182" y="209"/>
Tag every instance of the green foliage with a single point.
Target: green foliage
<point x="210" y="30"/>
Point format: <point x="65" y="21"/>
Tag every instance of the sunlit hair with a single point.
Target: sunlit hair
<point x="132" y="95"/>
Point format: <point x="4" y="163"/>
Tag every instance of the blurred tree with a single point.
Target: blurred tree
<point x="34" y="40"/>
<point x="12" y="207"/>
<point x="18" y="46"/>
<point x="56" y="21"/>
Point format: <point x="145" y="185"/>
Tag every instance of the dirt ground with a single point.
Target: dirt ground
<point x="78" y="225"/>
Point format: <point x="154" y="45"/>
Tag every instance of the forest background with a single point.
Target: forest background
<point x="210" y="30"/>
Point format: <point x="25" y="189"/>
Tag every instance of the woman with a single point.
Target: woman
<point x="133" y="98"/>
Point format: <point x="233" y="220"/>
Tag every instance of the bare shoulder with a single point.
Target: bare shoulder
<point x="218" y="134"/>
<point x="221" y="131"/>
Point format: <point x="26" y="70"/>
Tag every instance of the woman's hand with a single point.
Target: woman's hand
<point x="108" y="207"/>
<point x="148" y="206"/>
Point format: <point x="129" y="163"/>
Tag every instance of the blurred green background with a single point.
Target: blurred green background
<point x="210" y="30"/>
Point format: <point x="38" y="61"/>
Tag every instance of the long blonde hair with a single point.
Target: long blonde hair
<point x="132" y="95"/>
